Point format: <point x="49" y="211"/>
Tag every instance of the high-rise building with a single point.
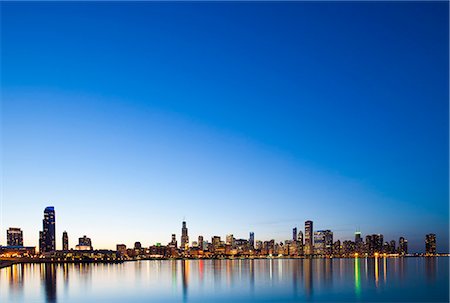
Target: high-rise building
<point x="402" y="246"/>
<point x="201" y="243"/>
<point x="47" y="239"/>
<point x="230" y="240"/>
<point x="309" y="238"/>
<point x="65" y="241"/>
<point x="358" y="238"/>
<point x="215" y="242"/>
<point x="430" y="244"/>
<point x="184" y="236"/>
<point x="14" y="237"/>
<point x="392" y="247"/>
<point x="323" y="242"/>
<point x="173" y="243"/>
<point x="300" y="247"/>
<point x="294" y="234"/>
<point x="251" y="241"/>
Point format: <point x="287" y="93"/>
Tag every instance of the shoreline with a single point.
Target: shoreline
<point x="8" y="263"/>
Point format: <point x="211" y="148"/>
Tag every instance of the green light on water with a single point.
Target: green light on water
<point x="357" y="278"/>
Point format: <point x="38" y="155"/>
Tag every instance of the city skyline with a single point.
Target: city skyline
<point x="317" y="242"/>
<point x="129" y="118"/>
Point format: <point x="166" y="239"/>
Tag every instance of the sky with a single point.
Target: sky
<point x="235" y="116"/>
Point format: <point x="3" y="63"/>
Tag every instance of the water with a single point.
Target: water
<point x="279" y="280"/>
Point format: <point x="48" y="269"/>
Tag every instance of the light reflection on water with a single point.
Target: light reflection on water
<point x="287" y="280"/>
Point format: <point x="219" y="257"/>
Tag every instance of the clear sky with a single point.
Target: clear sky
<point x="238" y="117"/>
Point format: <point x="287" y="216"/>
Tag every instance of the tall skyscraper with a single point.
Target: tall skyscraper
<point x="294" y="234"/>
<point x="47" y="239"/>
<point x="358" y="238"/>
<point x="309" y="250"/>
<point x="65" y="241"/>
<point x="300" y="248"/>
<point x="201" y="242"/>
<point x="430" y="244"/>
<point x="323" y="242"/>
<point x="14" y="237"/>
<point x="251" y="241"/>
<point x="184" y="236"/>
<point x="402" y="246"/>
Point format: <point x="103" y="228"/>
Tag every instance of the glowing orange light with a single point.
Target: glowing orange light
<point x="356" y="255"/>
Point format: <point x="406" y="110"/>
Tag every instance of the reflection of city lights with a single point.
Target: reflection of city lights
<point x="376" y="270"/>
<point x="357" y="278"/>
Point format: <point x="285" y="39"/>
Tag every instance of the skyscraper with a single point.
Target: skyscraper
<point x="402" y="246"/>
<point x="300" y="243"/>
<point x="201" y="242"/>
<point x="323" y="242"/>
<point x="230" y="240"/>
<point x="251" y="241"/>
<point x="173" y="242"/>
<point x="47" y="239"/>
<point x="294" y="234"/>
<point x="430" y="244"/>
<point x="14" y="237"/>
<point x="65" y="241"/>
<point x="358" y="238"/>
<point x="309" y="238"/>
<point x="184" y="236"/>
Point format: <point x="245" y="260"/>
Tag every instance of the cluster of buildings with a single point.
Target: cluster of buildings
<point x="308" y="244"/>
<point x="319" y="243"/>
<point x="83" y="251"/>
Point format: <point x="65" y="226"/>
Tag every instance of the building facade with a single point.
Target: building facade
<point x="65" y="241"/>
<point x="308" y="248"/>
<point x="184" y="236"/>
<point x="47" y="237"/>
<point x="430" y="244"/>
<point x="14" y="236"/>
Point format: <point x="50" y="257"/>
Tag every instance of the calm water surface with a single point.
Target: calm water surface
<point x="403" y="279"/>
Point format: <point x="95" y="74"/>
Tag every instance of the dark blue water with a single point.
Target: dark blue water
<point x="345" y="280"/>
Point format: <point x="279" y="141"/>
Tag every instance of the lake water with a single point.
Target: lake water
<point x="277" y="280"/>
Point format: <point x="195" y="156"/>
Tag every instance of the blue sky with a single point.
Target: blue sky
<point x="129" y="117"/>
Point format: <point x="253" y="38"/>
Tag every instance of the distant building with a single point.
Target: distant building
<point x="430" y="244"/>
<point x="215" y="241"/>
<point x="173" y="243"/>
<point x="374" y="244"/>
<point x="14" y="237"/>
<point x="308" y="238"/>
<point x="300" y="247"/>
<point x="392" y="247"/>
<point x="65" y="241"/>
<point x="14" y="251"/>
<point x="294" y="234"/>
<point x="121" y="249"/>
<point x="184" y="236"/>
<point x="230" y="240"/>
<point x="337" y="248"/>
<point x="47" y="239"/>
<point x="201" y="243"/>
<point x="402" y="246"/>
<point x="358" y="238"/>
<point x="251" y="240"/>
<point x="84" y="243"/>
<point x="323" y="242"/>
